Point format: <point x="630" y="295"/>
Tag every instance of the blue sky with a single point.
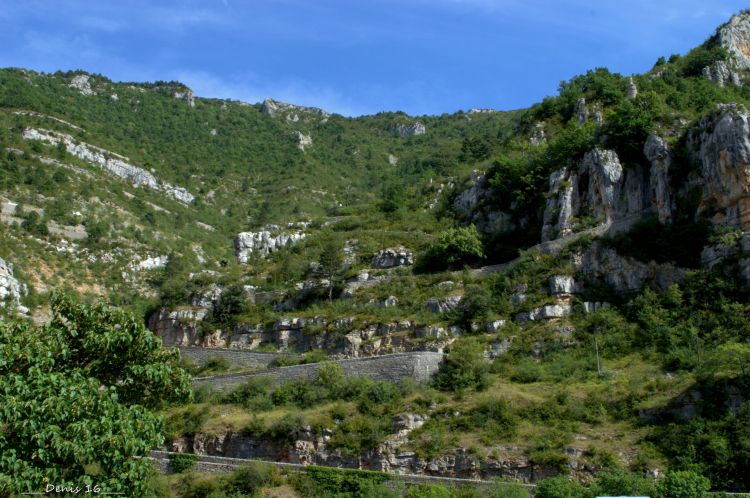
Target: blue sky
<point x="356" y="56"/>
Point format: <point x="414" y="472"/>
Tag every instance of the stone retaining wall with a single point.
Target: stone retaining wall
<point x="419" y="365"/>
<point x="234" y="357"/>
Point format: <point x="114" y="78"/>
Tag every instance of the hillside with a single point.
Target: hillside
<point x="560" y="290"/>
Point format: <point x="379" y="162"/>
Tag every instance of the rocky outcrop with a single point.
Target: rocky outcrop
<point x="263" y="243"/>
<point x="734" y="37"/>
<point x="623" y="274"/>
<point x="150" y="263"/>
<point x="82" y="84"/>
<point x="291" y="112"/>
<point x="657" y="152"/>
<point x="606" y="180"/>
<point x="11" y="290"/>
<point x="562" y="285"/>
<point x="474" y="206"/>
<point x="632" y="90"/>
<point x="186" y="95"/>
<point x="442" y="304"/>
<point x="303" y="141"/>
<point x="114" y="163"/>
<point x="392" y="257"/>
<point x="548" y="312"/>
<point x="558" y="213"/>
<point x="181" y="327"/>
<point x="583" y="112"/>
<point x="721" y="146"/>
<point x="720" y="73"/>
<point x="311" y="447"/>
<point x="409" y="129"/>
<point x="599" y="190"/>
<point x="341" y="338"/>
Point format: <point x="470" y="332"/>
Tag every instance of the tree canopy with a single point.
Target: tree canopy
<point x="75" y="399"/>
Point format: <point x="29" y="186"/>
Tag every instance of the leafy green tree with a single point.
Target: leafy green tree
<point x="330" y="264"/>
<point x="684" y="484"/>
<point x="232" y="302"/>
<point x="560" y="487"/>
<point x="428" y="491"/>
<point x="463" y="367"/>
<point x="394" y="197"/>
<point x="75" y="399"/>
<point x="730" y="360"/>
<point x="618" y="482"/>
<point x="508" y="489"/>
<point x="35" y="224"/>
<point x="475" y="305"/>
<point x="455" y="247"/>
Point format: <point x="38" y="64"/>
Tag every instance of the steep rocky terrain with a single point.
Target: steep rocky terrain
<point x="583" y="265"/>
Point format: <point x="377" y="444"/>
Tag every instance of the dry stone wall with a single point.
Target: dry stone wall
<point x="418" y="365"/>
<point x="234" y="357"/>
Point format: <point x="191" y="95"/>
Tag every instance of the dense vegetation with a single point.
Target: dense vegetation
<point x="77" y="398"/>
<point x="657" y="379"/>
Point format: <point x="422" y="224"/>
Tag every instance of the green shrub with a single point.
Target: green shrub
<point x="463" y="367"/>
<point x="251" y="477"/>
<point x="428" y="491"/>
<point x="185" y="421"/>
<point x="454" y="248"/>
<point x="618" y="482"/>
<point x="684" y="484"/>
<point x="285" y="429"/>
<point x="215" y="364"/>
<point x="475" y="305"/>
<point x="508" y="489"/>
<point x="337" y="482"/>
<point x="253" y="395"/>
<point x="560" y="487"/>
<point x="182" y="462"/>
<point x="357" y="433"/>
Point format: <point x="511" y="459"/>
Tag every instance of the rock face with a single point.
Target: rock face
<point x="562" y="284"/>
<point x="263" y="243"/>
<point x="312" y="447"/>
<point x="600" y="189"/>
<point x="392" y="257"/>
<point x="410" y="130"/>
<point x="474" y="206"/>
<point x="114" y="163"/>
<point x="11" y="290"/>
<point x="82" y="84"/>
<point x="734" y="37"/>
<point x="181" y="327"/>
<point x="151" y="262"/>
<point x="624" y="274"/>
<point x="548" y="312"/>
<point x="657" y="152"/>
<point x="722" y="142"/>
<point x="583" y="112"/>
<point x="303" y="141"/>
<point x="559" y="210"/>
<point x="186" y="95"/>
<point x="442" y="304"/>
<point x="720" y="73"/>
<point x="632" y="89"/>
<point x="291" y="112"/>
<point x="339" y="338"/>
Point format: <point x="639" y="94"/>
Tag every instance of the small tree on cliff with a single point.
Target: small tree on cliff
<point x="77" y="395"/>
<point x="330" y="263"/>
